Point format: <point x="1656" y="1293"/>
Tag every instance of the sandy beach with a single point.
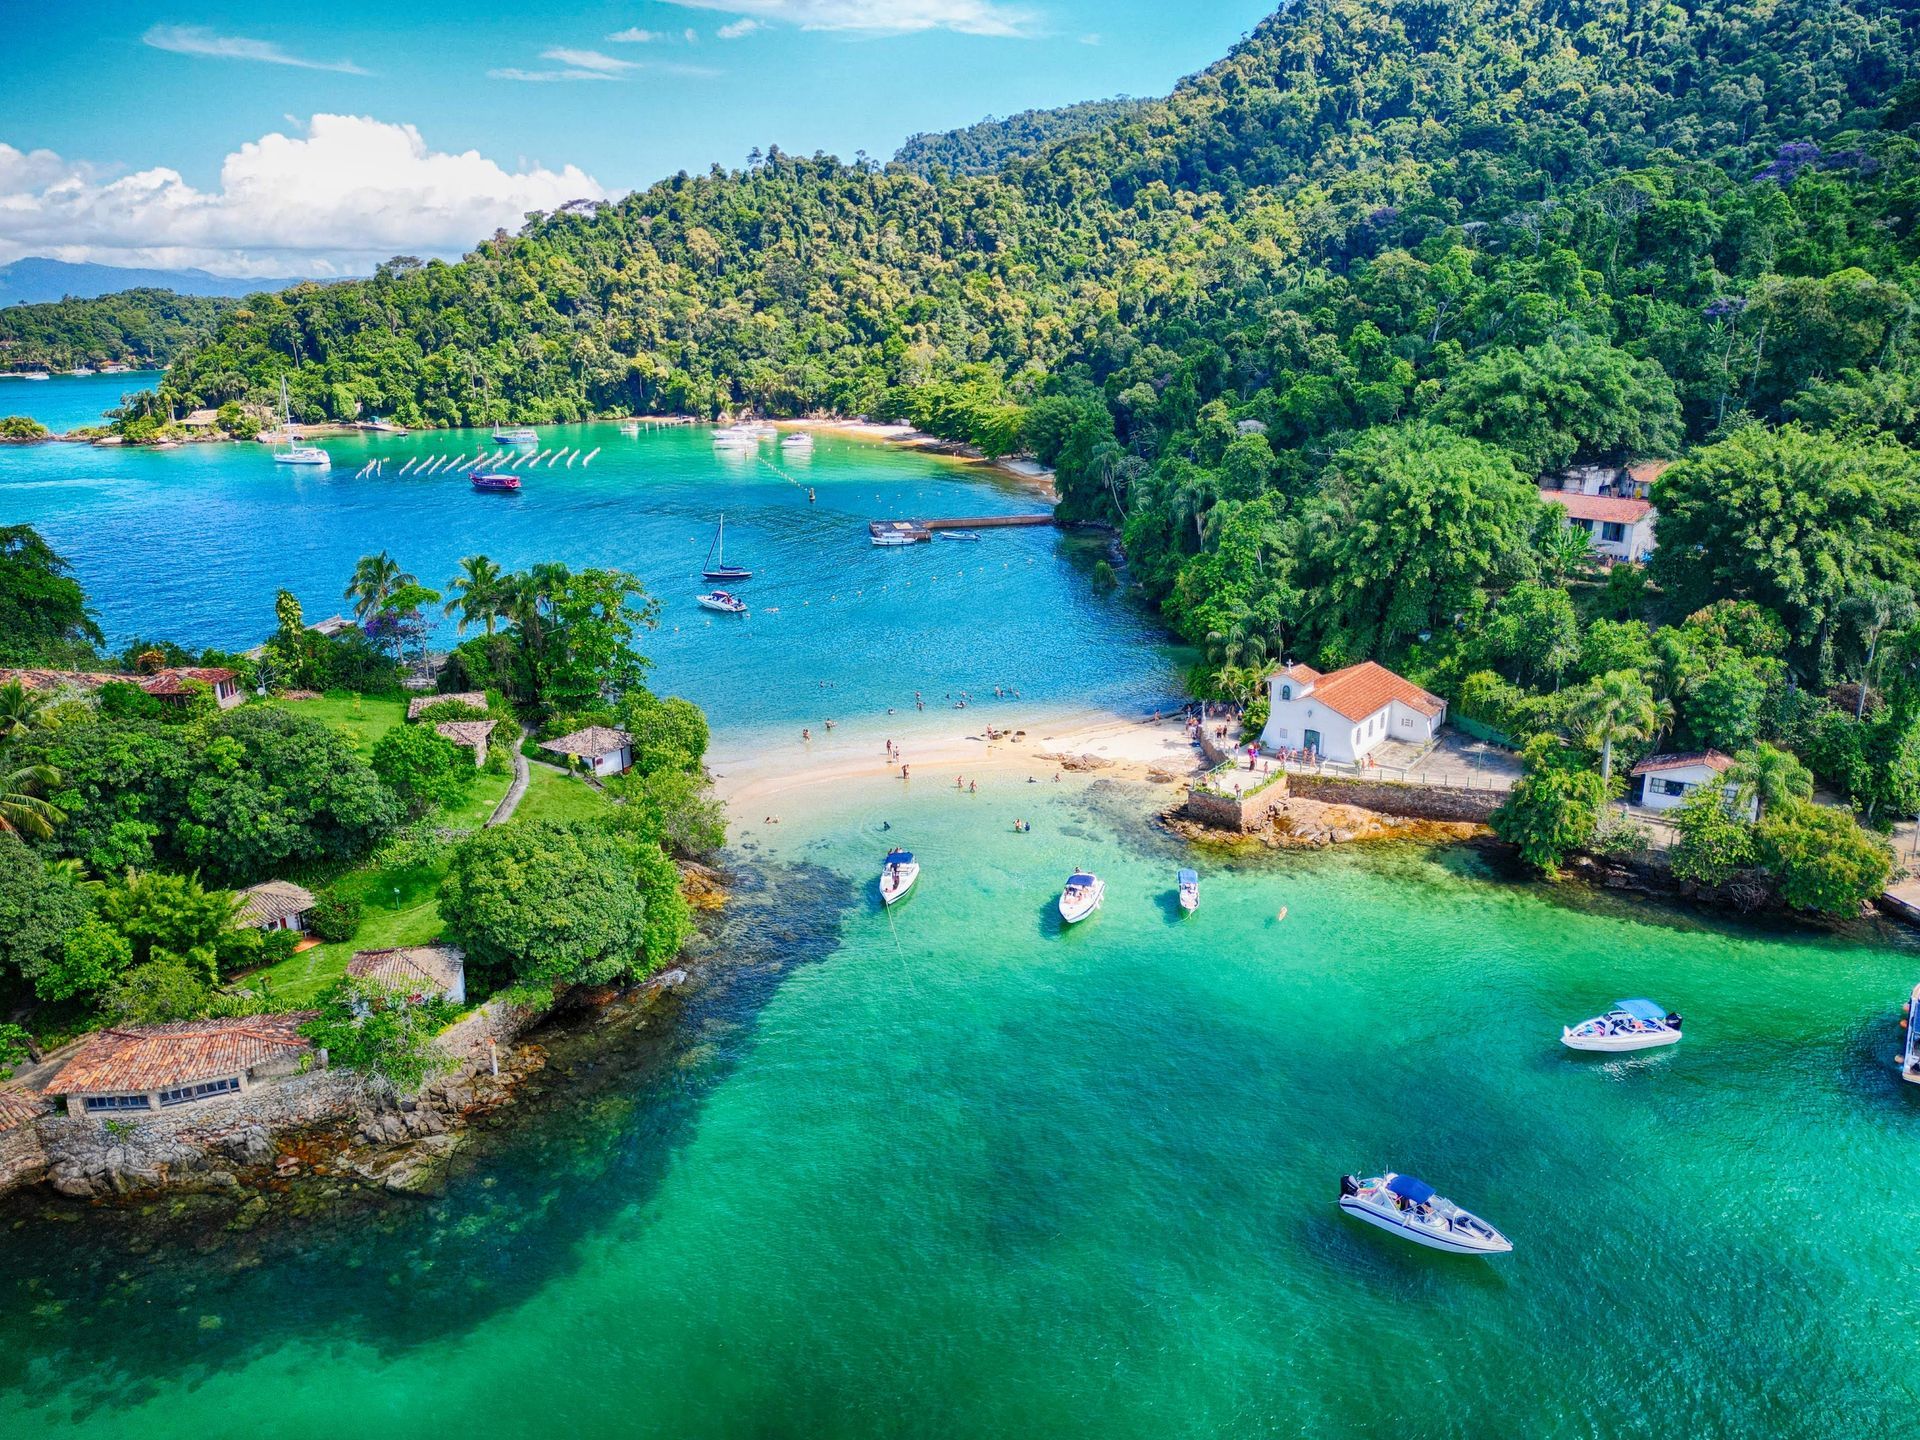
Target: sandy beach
<point x="1029" y="472"/>
<point x="761" y="781"/>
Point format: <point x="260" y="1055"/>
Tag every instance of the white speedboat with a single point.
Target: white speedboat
<point x="1189" y="890"/>
<point x="897" y="876"/>
<point x="629" y="427"/>
<point x="1910" y="1052"/>
<point x="723" y="602"/>
<point x="796" y="440"/>
<point x="1411" y="1210"/>
<point x="296" y="453"/>
<point x="958" y="534"/>
<point x="1629" y="1025"/>
<point x="515" y="435"/>
<point x="1081" y="897"/>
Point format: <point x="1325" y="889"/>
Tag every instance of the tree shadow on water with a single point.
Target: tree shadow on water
<point x="103" y="1306"/>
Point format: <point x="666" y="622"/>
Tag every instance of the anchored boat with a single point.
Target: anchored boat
<point x="716" y="567"/>
<point x="493" y="481"/>
<point x="515" y="435"/>
<point x="897" y="876"/>
<point x="723" y="602"/>
<point x="295" y="453"/>
<point x="1410" y="1209"/>
<point x="1910" y="1053"/>
<point x="1081" y="897"/>
<point x="1189" y="890"/>
<point x="1629" y="1025"/>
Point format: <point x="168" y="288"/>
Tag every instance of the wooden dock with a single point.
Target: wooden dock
<point x="912" y="532"/>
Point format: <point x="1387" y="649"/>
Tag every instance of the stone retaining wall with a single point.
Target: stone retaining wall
<point x="22" y="1159"/>
<point x="1238" y="814"/>
<point x="1394" y="797"/>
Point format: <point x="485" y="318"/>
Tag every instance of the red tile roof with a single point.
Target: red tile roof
<point x="1648" y="471"/>
<point x="1712" y="759"/>
<point x="592" y="742"/>
<point x="140" y="1058"/>
<point x="470" y="733"/>
<point x="17" y="1106"/>
<point x="1362" y="690"/>
<point x="1597" y="507"/>
<point x="1305" y="674"/>
<point x="174" y="681"/>
<point x="272" y="900"/>
<point x="440" y="967"/>
<point x="475" y="699"/>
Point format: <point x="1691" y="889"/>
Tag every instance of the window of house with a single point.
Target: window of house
<point x="1281" y="733"/>
<point x="98" y="1103"/>
<point x="182" y="1094"/>
<point x="1664" y="786"/>
<point x="1406" y="722"/>
<point x="1585" y="526"/>
<point x="1613" y="532"/>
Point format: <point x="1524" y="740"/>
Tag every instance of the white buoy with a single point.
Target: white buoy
<point x="406" y="467"/>
<point x="571" y="458"/>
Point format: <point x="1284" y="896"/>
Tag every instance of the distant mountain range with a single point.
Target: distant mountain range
<point x="36" y="280"/>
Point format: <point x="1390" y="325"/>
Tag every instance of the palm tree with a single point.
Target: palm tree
<point x="479" y="593"/>
<point x="1566" y="554"/>
<point x="22" y="711"/>
<point x="1241" y="640"/>
<point x="1771" y="775"/>
<point x="375" y="577"/>
<point x="21" y="811"/>
<point x="1873" y="610"/>
<point x="1618" y="707"/>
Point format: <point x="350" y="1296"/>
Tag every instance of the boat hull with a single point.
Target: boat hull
<point x="1072" y="912"/>
<point x="719" y="608"/>
<point x="726" y="572"/>
<point x="891" y="895"/>
<point x="1432" y="1241"/>
<point x="1618" y="1044"/>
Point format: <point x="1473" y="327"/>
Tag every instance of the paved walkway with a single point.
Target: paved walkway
<point x="510" y="801"/>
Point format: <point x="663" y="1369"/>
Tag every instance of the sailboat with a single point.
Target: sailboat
<point x="296" y="453"/>
<point x="716" y="567"/>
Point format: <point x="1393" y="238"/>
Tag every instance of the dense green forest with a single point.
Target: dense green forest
<point x="986" y="146"/>
<point x="1307" y="330"/>
<point x="142" y="328"/>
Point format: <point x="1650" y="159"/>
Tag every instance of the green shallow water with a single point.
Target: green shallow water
<point x="955" y="1172"/>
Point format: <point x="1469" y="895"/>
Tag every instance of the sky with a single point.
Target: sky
<point x="269" y="141"/>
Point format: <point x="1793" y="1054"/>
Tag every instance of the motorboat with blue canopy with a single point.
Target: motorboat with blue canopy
<point x="1909" y="1056"/>
<point x="1081" y="896"/>
<point x="1413" y="1210"/>
<point x="897" y="874"/>
<point x="1630" y="1025"/>
<point x="1189" y="890"/>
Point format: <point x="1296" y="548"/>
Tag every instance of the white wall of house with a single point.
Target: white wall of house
<point x="1304" y="723"/>
<point x="1669" y="789"/>
<point x="614" y="762"/>
<point x="1618" y="539"/>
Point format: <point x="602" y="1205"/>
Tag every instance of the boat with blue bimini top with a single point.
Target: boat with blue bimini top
<point x="1411" y="1209"/>
<point x="723" y="602"/>
<point x="1909" y="1056"/>
<point x="1081" y="897"/>
<point x="1189" y="890"/>
<point x="897" y="875"/>
<point x="1629" y="1025"/>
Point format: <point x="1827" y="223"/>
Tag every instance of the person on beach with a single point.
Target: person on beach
<point x="959" y="782"/>
<point x="805" y="734"/>
<point x="973" y="788"/>
<point x="903" y="772"/>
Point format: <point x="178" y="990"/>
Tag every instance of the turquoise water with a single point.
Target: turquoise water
<point x="951" y="1171"/>
<point x="66" y="402"/>
<point x="193" y="543"/>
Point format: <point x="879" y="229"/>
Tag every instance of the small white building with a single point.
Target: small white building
<point x="1619" y="527"/>
<point x="274" y="905"/>
<point x="1346" y="714"/>
<point x="602" y="750"/>
<point x="1663" y="782"/>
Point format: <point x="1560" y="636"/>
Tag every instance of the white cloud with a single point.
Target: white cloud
<point x="967" y="17"/>
<point x="515" y="72"/>
<point x="589" y="60"/>
<point x="198" y="40"/>
<point x="738" y="29"/>
<point x="634" y="35"/>
<point x="591" y="65"/>
<point x="348" y="193"/>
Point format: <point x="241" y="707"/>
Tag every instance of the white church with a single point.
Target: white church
<point x="1346" y="714"/>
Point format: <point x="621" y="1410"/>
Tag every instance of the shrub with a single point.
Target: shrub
<point x="1553" y="809"/>
<point x="1715" y="844"/>
<point x="424" y="769"/>
<point x="1822" y="860"/>
<point x="380" y="1031"/>
<point x="335" y="917"/>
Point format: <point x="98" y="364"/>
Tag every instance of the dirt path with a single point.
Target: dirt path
<point x="510" y="801"/>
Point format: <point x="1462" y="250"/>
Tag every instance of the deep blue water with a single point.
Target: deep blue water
<point x="67" y="401"/>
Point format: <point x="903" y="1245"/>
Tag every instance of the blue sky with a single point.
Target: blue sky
<point x="144" y="134"/>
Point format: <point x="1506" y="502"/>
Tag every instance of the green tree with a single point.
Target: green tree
<point x="44" y="617"/>
<point x="1553" y="809"/>
<point x="1714" y="843"/>
<point x="381" y="1032"/>
<point x="164" y="989"/>
<point x="1547" y="405"/>
<point x="424" y="769"/>
<point x="667" y="734"/>
<point x="39" y="905"/>
<point x="374" y="581"/>
<point x="1534" y="629"/>
<point x="545" y="903"/>
<point x="1822" y="860"/>
<point x="1872" y="610"/>
<point x="1616" y="709"/>
<point x="1772" y="776"/>
<point x="479" y="593"/>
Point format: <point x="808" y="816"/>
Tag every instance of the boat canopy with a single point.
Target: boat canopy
<point x="1642" y="1009"/>
<point x="1189" y="877"/>
<point x="1079" y="878"/>
<point x="899" y="857"/>
<point x="1414" y="1192"/>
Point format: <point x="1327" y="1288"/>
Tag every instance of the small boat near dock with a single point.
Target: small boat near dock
<point x="1909" y="1056"/>
<point x="972" y="535"/>
<point x="1410" y="1209"/>
<point x="1081" y="897"/>
<point x="1189" y="890"/>
<point x="515" y="435"/>
<point x="897" y="876"/>
<point x="1629" y="1025"/>
<point x="494" y="482"/>
<point x="891" y="534"/>
<point x="723" y="602"/>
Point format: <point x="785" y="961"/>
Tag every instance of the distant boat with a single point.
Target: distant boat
<point x="1410" y="1209"/>
<point x="797" y="440"/>
<point x="495" y="482"/>
<point x="31" y="375"/>
<point x="1189" y="891"/>
<point x="1081" y="897"/>
<point x="897" y="876"/>
<point x="716" y="567"/>
<point x="515" y="435"/>
<point x="296" y="453"/>
<point x="629" y="427"/>
<point x="958" y="534"/>
<point x="1910" y="1054"/>
<point x="723" y="602"/>
<point x="81" y="371"/>
<point x="383" y="427"/>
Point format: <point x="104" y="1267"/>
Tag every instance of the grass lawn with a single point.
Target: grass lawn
<point x="363" y="719"/>
<point x="555" y="795"/>
<point x="481" y="801"/>
<point x="402" y="908"/>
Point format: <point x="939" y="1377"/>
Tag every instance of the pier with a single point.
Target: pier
<point x="911" y="532"/>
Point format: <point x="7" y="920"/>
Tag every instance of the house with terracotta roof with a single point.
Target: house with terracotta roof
<point x="1663" y="782"/>
<point x="146" y="1068"/>
<point x="179" y="684"/>
<point x="1346" y="714"/>
<point x="604" y="751"/>
<point x="468" y="735"/>
<point x="1619" y="528"/>
<point x="274" y="905"/>
<point x="422" y="971"/>
<point x="476" y="699"/>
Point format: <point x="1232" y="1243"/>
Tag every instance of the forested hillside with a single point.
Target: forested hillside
<point x="984" y="147"/>
<point x="1295" y="327"/>
<point x="135" y="327"/>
